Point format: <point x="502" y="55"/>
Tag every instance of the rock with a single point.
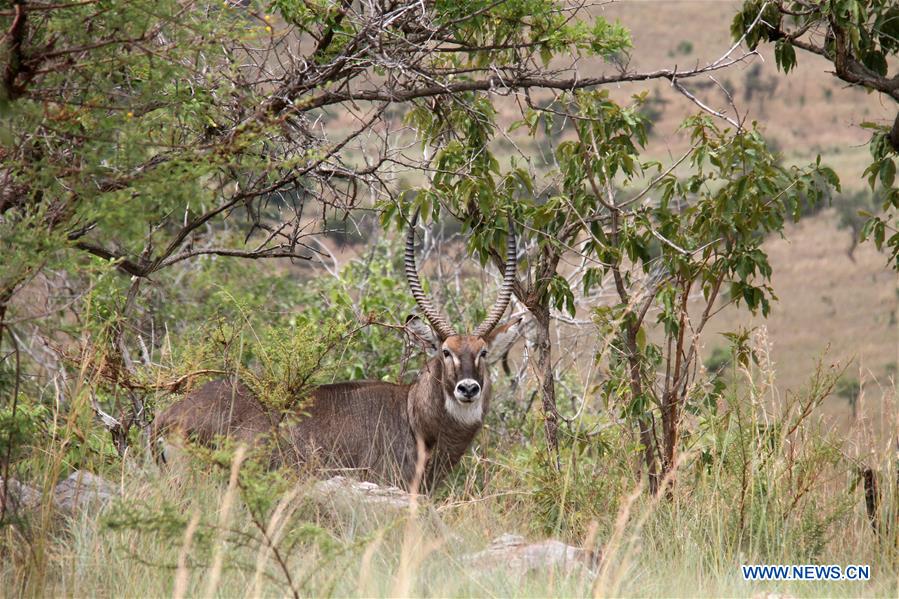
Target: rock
<point x="79" y="490"/>
<point x="514" y="554"/>
<point x="341" y="491"/>
<point x="20" y="496"/>
<point x="82" y="489"/>
<point x="366" y="507"/>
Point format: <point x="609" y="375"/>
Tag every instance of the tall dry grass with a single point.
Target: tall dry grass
<point x="761" y="479"/>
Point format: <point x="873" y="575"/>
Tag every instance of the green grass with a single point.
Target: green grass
<point x="755" y="485"/>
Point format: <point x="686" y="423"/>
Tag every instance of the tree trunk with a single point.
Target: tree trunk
<point x="4" y="466"/>
<point x="872" y="499"/>
<point x="675" y="390"/>
<point x="649" y="453"/>
<point x="547" y="381"/>
<point x="647" y="439"/>
<point x="5" y="297"/>
<point x="670" y="434"/>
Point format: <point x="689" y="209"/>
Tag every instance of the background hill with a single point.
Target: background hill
<point x="806" y="112"/>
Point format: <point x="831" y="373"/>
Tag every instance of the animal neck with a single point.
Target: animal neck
<point x="436" y="416"/>
<point x="446" y="435"/>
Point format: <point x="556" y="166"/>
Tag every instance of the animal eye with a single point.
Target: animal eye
<point x="483" y="353"/>
<point x="446" y="353"/>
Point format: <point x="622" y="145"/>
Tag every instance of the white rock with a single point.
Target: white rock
<point x="79" y="490"/>
<point x="343" y="490"/>
<point x="19" y="495"/>
<point x="513" y="553"/>
<point x="82" y="489"/>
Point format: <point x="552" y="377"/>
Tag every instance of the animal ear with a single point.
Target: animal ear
<point x="420" y="334"/>
<point x="502" y="337"/>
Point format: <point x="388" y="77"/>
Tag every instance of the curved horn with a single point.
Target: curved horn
<point x="505" y="292"/>
<point x="443" y="329"/>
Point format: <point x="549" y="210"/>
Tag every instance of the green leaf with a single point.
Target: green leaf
<point x="879" y="233"/>
<point x="785" y="55"/>
<point x="887" y="172"/>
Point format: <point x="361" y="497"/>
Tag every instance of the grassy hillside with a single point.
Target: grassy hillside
<point x="772" y="495"/>
<point x="834" y="308"/>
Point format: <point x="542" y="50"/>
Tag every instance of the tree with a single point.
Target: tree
<point x="861" y="39"/>
<point x="161" y="131"/>
<point x="701" y="233"/>
<point x="684" y="257"/>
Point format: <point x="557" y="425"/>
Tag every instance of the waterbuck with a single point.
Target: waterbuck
<point x="410" y="435"/>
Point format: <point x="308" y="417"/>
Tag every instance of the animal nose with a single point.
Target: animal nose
<point x="468" y="388"/>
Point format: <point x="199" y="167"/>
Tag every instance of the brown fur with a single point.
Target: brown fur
<point x="371" y="429"/>
<point x="218" y="408"/>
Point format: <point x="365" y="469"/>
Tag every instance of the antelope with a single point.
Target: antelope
<point x="409" y="435"/>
